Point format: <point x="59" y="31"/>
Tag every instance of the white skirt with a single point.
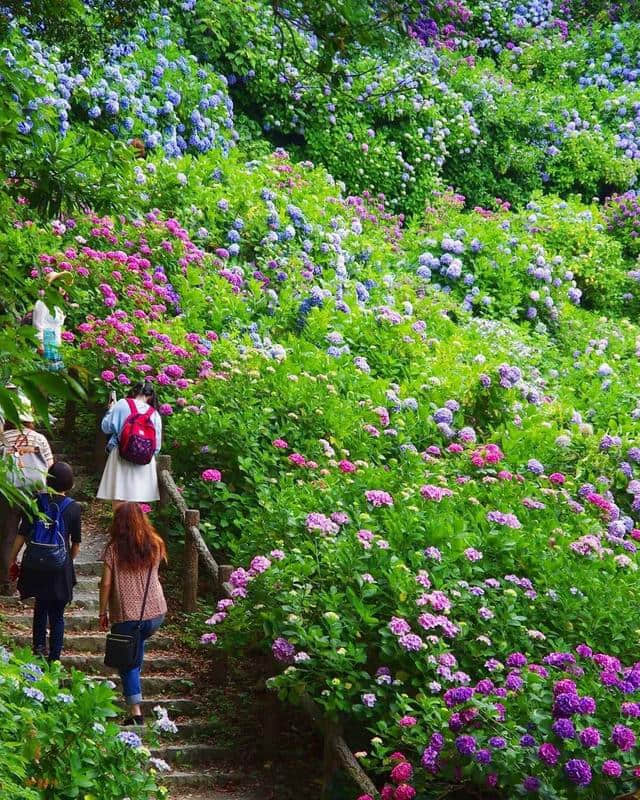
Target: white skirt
<point x="122" y="480"/>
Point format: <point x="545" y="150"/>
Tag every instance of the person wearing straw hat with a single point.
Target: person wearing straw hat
<point x="28" y="457"/>
<point x="49" y="325"/>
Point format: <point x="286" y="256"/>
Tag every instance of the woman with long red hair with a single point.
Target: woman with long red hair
<point x="130" y="590"/>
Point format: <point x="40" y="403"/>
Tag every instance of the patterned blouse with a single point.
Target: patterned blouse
<point x="127" y="592"/>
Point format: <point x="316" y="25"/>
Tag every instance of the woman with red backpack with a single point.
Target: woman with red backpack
<point x="135" y="430"/>
<point x="46" y="572"/>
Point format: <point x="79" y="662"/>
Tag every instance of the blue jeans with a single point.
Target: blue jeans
<point x="131" y="687"/>
<point x="47" y="610"/>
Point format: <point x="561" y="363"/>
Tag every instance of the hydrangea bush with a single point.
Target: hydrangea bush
<point x="407" y="413"/>
<point x="60" y="739"/>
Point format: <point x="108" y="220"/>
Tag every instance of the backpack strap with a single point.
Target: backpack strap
<point x="133" y="408"/>
<point x="149" y="412"/>
<point x="66" y="502"/>
<point x="43" y="502"/>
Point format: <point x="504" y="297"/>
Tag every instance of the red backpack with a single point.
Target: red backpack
<point x="137" y="441"/>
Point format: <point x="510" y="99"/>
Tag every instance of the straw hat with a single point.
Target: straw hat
<point x="25" y="415"/>
<point x="25" y="411"/>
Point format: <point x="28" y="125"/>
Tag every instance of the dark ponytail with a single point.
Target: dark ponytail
<point x="147" y="391"/>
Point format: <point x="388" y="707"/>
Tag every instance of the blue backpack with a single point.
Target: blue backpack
<point x="47" y="550"/>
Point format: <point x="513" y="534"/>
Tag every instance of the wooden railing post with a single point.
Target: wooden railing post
<point x="190" y="588"/>
<point x="163" y="464"/>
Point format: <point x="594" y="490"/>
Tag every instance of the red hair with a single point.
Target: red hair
<point x="134" y="540"/>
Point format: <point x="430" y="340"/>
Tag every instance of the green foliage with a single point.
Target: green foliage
<point x="60" y="740"/>
<point x="81" y="29"/>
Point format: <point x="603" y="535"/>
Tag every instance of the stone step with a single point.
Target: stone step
<point x="159" y="686"/>
<point x="176" y="706"/>
<point x="86" y="568"/>
<point x="93" y="664"/>
<point x="235" y="794"/>
<point x="81" y="599"/>
<point x="87" y="583"/>
<point x="164" y="685"/>
<point x="91" y="642"/>
<point x="210" y="779"/>
<point x="190" y="731"/>
<point x="79" y="620"/>
<point x="186" y="754"/>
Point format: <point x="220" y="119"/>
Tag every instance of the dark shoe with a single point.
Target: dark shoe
<point x="137" y="720"/>
<point x="40" y="651"/>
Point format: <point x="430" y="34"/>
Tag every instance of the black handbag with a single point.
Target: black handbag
<point x="121" y="649"/>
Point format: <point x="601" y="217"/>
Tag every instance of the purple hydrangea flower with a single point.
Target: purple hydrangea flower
<point x="589" y="737"/>
<point x="466" y="745"/>
<point x="578" y="771"/>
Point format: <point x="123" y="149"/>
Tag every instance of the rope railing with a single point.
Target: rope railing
<point x="195" y="550"/>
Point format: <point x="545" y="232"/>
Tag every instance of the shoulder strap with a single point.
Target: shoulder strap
<point x="133" y="408"/>
<point x="66" y="502"/>
<point x="149" y="412"/>
<point x="21" y="441"/>
<point x="146" y="592"/>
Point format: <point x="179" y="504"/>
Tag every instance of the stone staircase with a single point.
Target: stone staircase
<point x="197" y="771"/>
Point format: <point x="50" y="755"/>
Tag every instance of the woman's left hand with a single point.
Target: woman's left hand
<point x="104" y="622"/>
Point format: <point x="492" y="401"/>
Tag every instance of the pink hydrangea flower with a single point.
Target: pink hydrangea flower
<point x="431" y="492"/>
<point x="260" y="564"/>
<point x="281" y="444"/>
<point x="378" y="498"/>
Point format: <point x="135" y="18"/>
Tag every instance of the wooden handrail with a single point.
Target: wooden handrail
<point x="196" y="549"/>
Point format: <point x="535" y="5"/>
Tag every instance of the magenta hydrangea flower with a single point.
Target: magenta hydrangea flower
<point x="346" y="466"/>
<point x="611" y="768"/>
<point x="107" y="375"/>
<point x="402" y="772"/>
<point x="209" y="638"/>
<point x="281" y="444"/>
<point x="589" y="737"/>
<point x="549" y="754"/>
<point x="404" y="792"/>
<point x="211" y="475"/>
